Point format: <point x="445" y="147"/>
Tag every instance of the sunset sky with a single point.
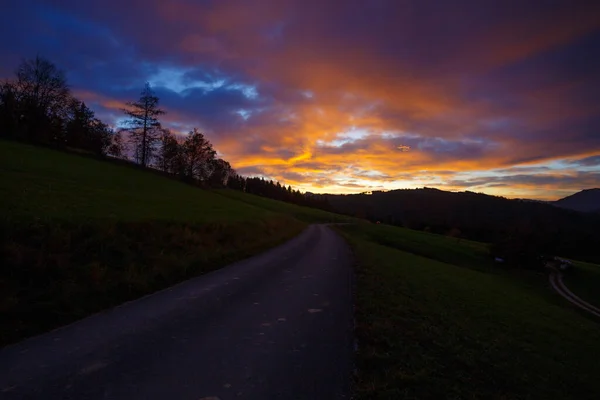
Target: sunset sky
<point x="500" y="97"/>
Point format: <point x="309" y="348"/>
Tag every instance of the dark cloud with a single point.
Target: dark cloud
<point x="578" y="179"/>
<point x="592" y="161"/>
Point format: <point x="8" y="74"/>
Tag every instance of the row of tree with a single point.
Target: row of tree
<point x="277" y="191"/>
<point x="38" y="107"/>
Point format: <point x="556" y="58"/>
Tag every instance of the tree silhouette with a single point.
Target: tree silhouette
<point x="117" y="147"/>
<point x="221" y="172"/>
<point x="144" y="126"/>
<point x="169" y="154"/>
<point x="9" y="109"/>
<point x="43" y="96"/>
<point x="197" y="154"/>
<point x="84" y="131"/>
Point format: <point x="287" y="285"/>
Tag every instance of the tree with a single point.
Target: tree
<point x="144" y="126"/>
<point x="221" y="172"/>
<point x="100" y="137"/>
<point x="78" y="125"/>
<point x="9" y="110"/>
<point x="117" y="147"/>
<point x="169" y="153"/>
<point x="197" y="155"/>
<point x="43" y="96"/>
<point x="84" y="131"/>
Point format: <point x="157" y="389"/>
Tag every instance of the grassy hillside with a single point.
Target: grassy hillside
<point x="437" y="320"/>
<point x="302" y="213"/>
<point x="78" y="235"/>
<point x="38" y="183"/>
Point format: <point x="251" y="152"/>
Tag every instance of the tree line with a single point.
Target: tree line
<point x="37" y="106"/>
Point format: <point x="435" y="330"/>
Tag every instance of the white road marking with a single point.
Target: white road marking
<point x="93" y="367"/>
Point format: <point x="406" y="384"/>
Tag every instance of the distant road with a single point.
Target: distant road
<point x="276" y="326"/>
<point x="557" y="283"/>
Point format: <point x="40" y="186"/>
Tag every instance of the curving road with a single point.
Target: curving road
<point x="276" y="326"/>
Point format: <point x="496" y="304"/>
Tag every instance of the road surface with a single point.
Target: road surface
<point x="276" y="326"/>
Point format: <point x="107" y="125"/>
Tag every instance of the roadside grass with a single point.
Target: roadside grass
<point x="451" y="250"/>
<point x="78" y="235"/>
<point x="302" y="213"/>
<point x="584" y="281"/>
<point x="430" y="328"/>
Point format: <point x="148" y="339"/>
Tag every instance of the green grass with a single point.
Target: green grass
<point x="429" y="328"/>
<point x="299" y="212"/>
<point x="584" y="281"/>
<point x="38" y="183"/>
<point x="437" y="247"/>
<point x="78" y="235"/>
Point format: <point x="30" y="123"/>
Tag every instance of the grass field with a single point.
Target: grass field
<point x="584" y="281"/>
<point x="433" y="324"/>
<point x="78" y="235"/>
<point x="302" y="213"/>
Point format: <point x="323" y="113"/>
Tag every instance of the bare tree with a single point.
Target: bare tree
<point x="41" y="84"/>
<point x="144" y="126"/>
<point x="42" y="93"/>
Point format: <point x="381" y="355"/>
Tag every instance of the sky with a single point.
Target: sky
<point x="346" y="96"/>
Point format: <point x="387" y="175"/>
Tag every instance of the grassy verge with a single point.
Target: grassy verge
<point x="429" y="329"/>
<point x="78" y="235"/>
<point x="302" y="213"/>
<point x="437" y="247"/>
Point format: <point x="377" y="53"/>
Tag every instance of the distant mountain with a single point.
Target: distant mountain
<point x="585" y="201"/>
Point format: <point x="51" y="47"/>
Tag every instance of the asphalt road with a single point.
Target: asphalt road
<point x="276" y="326"/>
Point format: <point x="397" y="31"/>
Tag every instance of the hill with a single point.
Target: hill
<point x="78" y="235"/>
<point x="585" y="201"/>
<point x="478" y="217"/>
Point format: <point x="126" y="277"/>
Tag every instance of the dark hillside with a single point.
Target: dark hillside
<point x="478" y="217"/>
<point x="584" y="201"/>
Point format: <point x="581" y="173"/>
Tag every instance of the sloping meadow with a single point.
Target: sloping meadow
<point x="78" y="235"/>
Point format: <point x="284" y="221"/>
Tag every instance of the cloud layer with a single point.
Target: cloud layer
<point x="500" y="97"/>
